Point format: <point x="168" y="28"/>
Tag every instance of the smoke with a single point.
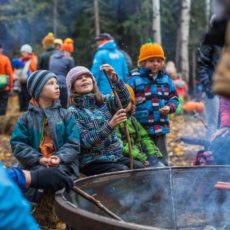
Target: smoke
<point x="177" y="198"/>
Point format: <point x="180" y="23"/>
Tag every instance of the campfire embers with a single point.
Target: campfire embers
<point x="177" y="198"/>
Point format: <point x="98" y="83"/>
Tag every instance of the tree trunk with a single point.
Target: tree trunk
<point x="55" y="17"/>
<point x="96" y="17"/>
<point x="178" y="46"/>
<point x="184" y="38"/>
<point x="156" y="21"/>
<point x="207" y="11"/>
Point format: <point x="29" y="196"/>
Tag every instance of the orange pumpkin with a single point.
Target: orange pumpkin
<point x="193" y="106"/>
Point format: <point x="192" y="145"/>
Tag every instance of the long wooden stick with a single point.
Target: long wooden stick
<point x="125" y="122"/>
<point x="97" y="202"/>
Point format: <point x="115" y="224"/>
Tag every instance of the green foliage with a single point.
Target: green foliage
<point x="129" y="21"/>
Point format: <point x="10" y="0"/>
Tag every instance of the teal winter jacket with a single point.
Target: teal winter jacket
<point x="109" y="54"/>
<point x="26" y="137"/>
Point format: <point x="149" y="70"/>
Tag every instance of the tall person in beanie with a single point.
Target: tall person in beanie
<point x="97" y="117"/>
<point x="108" y="52"/>
<point x="155" y="94"/>
<point x="61" y="62"/>
<point x="48" y="46"/>
<point x="46" y="136"/>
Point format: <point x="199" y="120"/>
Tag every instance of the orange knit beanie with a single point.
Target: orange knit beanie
<point x="48" y="40"/>
<point x="131" y="92"/>
<point x="151" y="50"/>
<point x="68" y="45"/>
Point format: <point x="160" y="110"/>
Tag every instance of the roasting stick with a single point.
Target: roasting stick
<point x="96" y="202"/>
<point x="222" y="185"/>
<point x="125" y="123"/>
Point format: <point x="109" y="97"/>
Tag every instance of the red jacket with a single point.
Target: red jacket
<point x="6" y="68"/>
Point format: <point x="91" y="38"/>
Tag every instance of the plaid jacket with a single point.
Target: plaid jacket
<point x="152" y="95"/>
<point x="98" y="140"/>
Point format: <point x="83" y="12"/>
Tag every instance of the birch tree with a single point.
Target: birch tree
<point x="207" y="11"/>
<point x="184" y="38"/>
<point x="156" y="27"/>
<point x="96" y="17"/>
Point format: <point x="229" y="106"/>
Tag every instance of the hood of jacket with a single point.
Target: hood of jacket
<point x="110" y="45"/>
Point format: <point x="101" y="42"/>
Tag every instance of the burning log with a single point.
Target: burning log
<point x="222" y="185"/>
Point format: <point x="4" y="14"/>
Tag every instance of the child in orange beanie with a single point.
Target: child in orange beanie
<point x="155" y="93"/>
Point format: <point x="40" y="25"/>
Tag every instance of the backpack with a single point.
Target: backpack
<point x="4" y="81"/>
<point x="24" y="73"/>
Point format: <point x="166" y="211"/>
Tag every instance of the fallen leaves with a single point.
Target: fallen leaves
<point x="181" y="154"/>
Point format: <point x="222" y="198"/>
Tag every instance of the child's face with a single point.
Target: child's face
<point x="154" y="64"/>
<point x="51" y="90"/>
<point x="83" y="85"/>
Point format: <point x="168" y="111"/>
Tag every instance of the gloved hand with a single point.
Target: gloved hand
<point x="51" y="178"/>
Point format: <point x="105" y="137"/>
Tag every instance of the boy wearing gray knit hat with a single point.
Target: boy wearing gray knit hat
<point x="46" y="136"/>
<point x="37" y="80"/>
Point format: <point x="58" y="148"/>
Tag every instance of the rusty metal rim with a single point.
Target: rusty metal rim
<point x="61" y="203"/>
<point x="127" y="172"/>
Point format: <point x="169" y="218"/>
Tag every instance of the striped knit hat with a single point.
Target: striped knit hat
<point x="37" y="80"/>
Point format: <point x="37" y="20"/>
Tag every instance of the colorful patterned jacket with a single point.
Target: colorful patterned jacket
<point x="98" y="140"/>
<point x="152" y="95"/>
<point x="26" y="137"/>
<point x="142" y="145"/>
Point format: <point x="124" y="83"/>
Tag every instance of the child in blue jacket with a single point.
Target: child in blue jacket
<point x="155" y="94"/>
<point x="46" y="136"/>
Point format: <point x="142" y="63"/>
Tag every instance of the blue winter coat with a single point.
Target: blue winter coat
<point x="26" y="137"/>
<point x="152" y="95"/>
<point x="109" y="54"/>
<point x="14" y="209"/>
<point x="60" y="65"/>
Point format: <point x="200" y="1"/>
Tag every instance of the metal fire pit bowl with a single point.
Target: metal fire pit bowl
<point x="153" y="198"/>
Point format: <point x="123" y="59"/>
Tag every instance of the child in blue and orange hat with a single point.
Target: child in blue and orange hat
<point x="155" y="93"/>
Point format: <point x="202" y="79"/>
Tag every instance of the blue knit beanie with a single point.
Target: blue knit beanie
<point x="37" y="80"/>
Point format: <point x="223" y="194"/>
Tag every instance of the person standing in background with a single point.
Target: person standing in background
<point x="60" y="63"/>
<point x="30" y="65"/>
<point x="6" y="81"/>
<point x="48" y="45"/>
<point x="108" y="53"/>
